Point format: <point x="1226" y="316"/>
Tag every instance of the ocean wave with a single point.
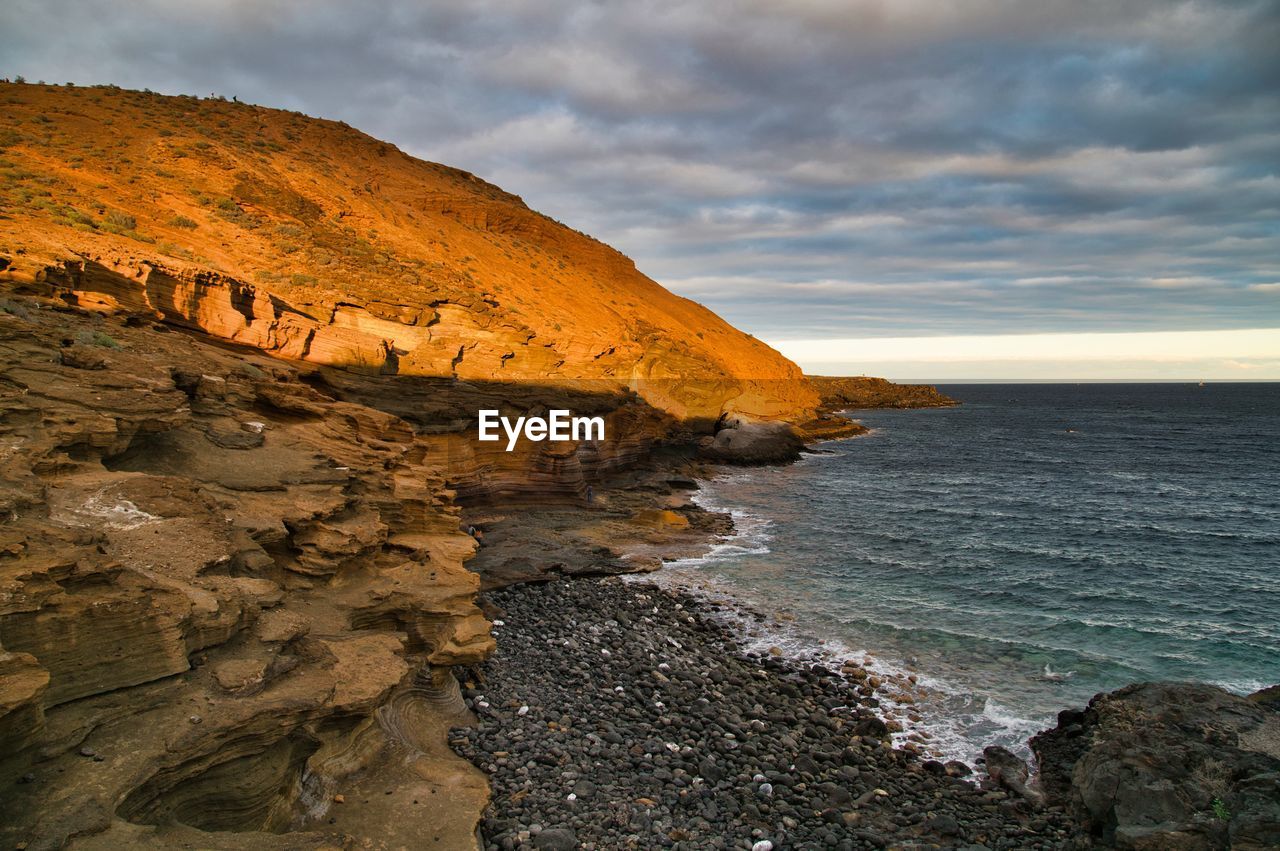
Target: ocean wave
<point x="945" y="729"/>
<point x="1021" y="645"/>
<point x="1015" y="548"/>
<point x="750" y="534"/>
<point x="1243" y="687"/>
<point x="1182" y="531"/>
<point x="953" y="722"/>
<point x="719" y="552"/>
<point x="967" y="722"/>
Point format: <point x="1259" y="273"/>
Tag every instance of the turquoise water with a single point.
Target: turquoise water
<point x="1110" y="532"/>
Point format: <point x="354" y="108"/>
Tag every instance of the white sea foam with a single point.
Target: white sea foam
<point x="955" y="723"/>
<point x="750" y="532"/>
<point x="1241" y="686"/>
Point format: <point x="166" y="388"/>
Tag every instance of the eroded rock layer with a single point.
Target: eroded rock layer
<point x="225" y="597"/>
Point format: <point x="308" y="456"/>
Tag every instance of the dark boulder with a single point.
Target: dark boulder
<point x="871" y="727"/>
<point x="1168" y="766"/>
<point x="555" y="839"/>
<point x="1010" y="771"/>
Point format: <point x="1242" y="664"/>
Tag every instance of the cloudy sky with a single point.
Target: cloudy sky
<point x="842" y="172"/>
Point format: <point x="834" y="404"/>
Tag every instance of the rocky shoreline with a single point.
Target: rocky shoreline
<point x="281" y="677"/>
<point x="617" y="714"/>
<point x="621" y="711"/>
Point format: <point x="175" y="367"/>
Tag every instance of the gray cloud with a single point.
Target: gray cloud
<point x="843" y="168"/>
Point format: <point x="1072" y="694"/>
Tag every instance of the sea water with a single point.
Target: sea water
<point x="1025" y="550"/>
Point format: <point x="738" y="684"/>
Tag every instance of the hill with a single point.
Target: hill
<point x="316" y="242"/>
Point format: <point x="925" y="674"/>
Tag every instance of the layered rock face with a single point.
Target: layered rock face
<point x="1169" y="766"/>
<point x="315" y="242"/>
<point x="223" y="596"/>
<point x="445" y="411"/>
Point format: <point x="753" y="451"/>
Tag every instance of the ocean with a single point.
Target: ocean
<point x="1023" y="551"/>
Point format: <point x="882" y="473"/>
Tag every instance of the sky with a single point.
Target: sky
<point x="833" y="177"/>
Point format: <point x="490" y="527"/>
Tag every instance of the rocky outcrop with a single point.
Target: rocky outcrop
<point x="847" y="393"/>
<point x="1168" y="766"/>
<point x="444" y="413"/>
<point x="317" y="243"/>
<point x="225" y="598"/>
<point x="744" y="441"/>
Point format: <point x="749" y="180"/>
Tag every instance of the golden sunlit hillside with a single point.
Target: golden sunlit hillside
<point x="313" y="241"/>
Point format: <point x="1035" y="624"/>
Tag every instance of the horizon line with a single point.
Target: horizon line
<point x="1196" y="381"/>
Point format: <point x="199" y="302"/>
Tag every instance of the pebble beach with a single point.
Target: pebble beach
<point x="620" y="714"/>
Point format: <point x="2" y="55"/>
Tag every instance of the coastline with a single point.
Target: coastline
<point x="264" y="585"/>
<point x="653" y="659"/>
<point x="329" y="659"/>
<point x="900" y="692"/>
<point x="655" y="710"/>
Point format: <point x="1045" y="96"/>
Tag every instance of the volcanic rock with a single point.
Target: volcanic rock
<point x="1169" y="766"/>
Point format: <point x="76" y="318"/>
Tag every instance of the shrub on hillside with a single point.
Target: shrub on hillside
<point x="120" y="221"/>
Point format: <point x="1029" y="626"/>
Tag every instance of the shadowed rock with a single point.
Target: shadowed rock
<point x="1169" y="766"/>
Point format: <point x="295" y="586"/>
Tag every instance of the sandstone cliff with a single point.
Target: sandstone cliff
<point x="316" y="242"/>
<point x="223" y="596"/>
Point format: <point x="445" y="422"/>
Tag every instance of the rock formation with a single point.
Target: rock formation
<point x="232" y="587"/>
<point x="1169" y="766"/>
<point x="241" y="356"/>
<point x="221" y="594"/>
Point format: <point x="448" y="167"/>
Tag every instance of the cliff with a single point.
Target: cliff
<point x="315" y="242"/>
<point x="241" y="356"/>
